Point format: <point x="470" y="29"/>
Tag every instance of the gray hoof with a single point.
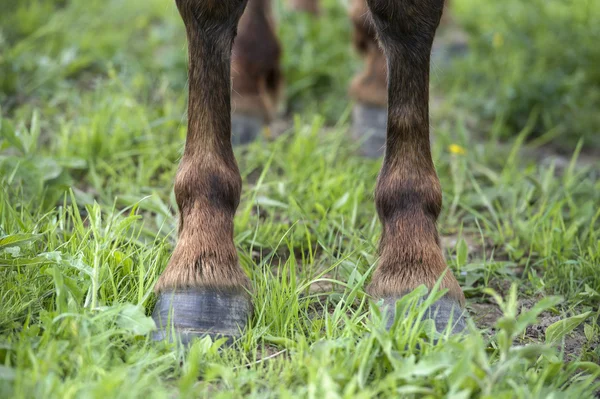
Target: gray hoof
<point x="444" y="312"/>
<point x="195" y="313"/>
<point x="245" y="128"/>
<point x="369" y="127"/>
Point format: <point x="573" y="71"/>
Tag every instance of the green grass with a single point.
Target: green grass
<point x="539" y="56"/>
<point x="91" y="132"/>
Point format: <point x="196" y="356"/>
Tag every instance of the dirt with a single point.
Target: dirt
<point x="572" y="344"/>
<point x="484" y="314"/>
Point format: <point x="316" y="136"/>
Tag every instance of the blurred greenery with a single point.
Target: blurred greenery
<point x="533" y="56"/>
<point x="536" y="57"/>
<point x="92" y="125"/>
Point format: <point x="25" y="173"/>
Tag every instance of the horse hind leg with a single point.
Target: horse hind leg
<point x="368" y="88"/>
<point x="255" y="72"/>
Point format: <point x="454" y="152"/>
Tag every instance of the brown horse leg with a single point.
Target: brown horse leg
<point x="203" y="289"/>
<point x="408" y="194"/>
<point x="255" y="72"/>
<point x="369" y="87"/>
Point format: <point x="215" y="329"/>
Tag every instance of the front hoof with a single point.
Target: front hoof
<point x="245" y="128"/>
<point x="186" y="314"/>
<point x="369" y="127"/>
<point x="445" y="312"/>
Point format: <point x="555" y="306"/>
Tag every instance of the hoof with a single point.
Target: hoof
<point x="195" y="313"/>
<point x="369" y="127"/>
<point x="445" y="311"/>
<point x="245" y="128"/>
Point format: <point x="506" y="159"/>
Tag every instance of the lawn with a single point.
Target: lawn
<point x="92" y="126"/>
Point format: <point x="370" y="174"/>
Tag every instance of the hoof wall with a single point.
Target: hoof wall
<point x="187" y="314"/>
<point x="444" y="312"/>
<point x="245" y="128"/>
<point x="369" y="127"/>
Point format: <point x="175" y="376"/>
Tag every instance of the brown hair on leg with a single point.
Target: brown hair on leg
<point x="408" y="194"/>
<point x="368" y="88"/>
<point x="255" y="72"/>
<point x="370" y="85"/>
<point x="208" y="183"/>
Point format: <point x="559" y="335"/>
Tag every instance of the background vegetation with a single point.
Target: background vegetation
<point x="533" y="57"/>
<point x="92" y="97"/>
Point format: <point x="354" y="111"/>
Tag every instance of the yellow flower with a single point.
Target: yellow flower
<point x="498" y="40"/>
<point x="456" y="149"/>
<point x="267" y="132"/>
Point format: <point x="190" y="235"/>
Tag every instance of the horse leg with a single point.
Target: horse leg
<point x="255" y="72"/>
<point x="408" y="195"/>
<point x="203" y="290"/>
<point x="368" y="88"/>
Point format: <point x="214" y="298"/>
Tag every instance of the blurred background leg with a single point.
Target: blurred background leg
<point x="255" y="72"/>
<point x="368" y="88"/>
